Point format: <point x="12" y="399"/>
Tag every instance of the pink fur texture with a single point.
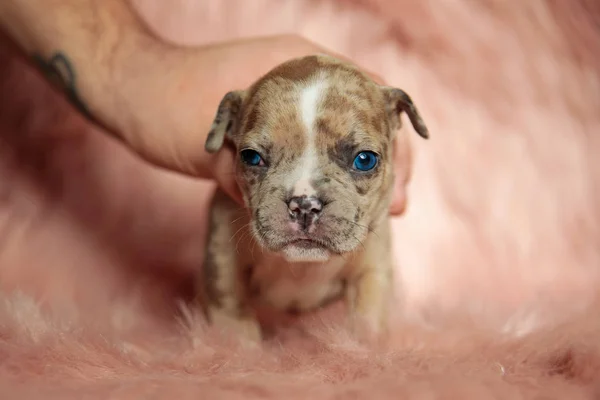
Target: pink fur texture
<point x="497" y="257"/>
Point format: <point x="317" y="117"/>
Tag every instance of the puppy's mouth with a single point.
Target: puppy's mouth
<point x="306" y="243"/>
<point x="306" y="250"/>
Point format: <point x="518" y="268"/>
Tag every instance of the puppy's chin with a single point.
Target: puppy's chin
<point x="298" y="252"/>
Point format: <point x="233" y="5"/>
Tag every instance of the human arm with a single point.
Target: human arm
<point x="158" y="98"/>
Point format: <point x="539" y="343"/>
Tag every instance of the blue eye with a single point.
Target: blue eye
<point x="251" y="157"/>
<point x="365" y="161"/>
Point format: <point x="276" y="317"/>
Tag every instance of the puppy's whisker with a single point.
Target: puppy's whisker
<point x="359" y="241"/>
<point x="254" y="242"/>
<point x="243" y="236"/>
<point x="238" y="231"/>
<point x="330" y="244"/>
<point x="237" y="244"/>
<point x="369" y="229"/>
<point x="262" y="236"/>
<point x="237" y="219"/>
<point x="344" y="255"/>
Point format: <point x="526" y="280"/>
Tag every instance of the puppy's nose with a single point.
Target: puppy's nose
<point x="305" y="209"/>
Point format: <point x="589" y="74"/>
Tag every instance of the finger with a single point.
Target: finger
<point x="224" y="173"/>
<point x="402" y="163"/>
<point x="398" y="205"/>
<point x="376" y="77"/>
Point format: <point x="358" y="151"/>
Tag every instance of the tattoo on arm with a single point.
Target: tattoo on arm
<point x="59" y="71"/>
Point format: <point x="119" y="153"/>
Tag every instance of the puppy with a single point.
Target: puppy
<point x="314" y="143"/>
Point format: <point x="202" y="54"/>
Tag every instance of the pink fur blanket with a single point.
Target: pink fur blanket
<point x="497" y="258"/>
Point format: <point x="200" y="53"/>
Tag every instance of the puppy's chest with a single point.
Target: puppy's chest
<point x="297" y="287"/>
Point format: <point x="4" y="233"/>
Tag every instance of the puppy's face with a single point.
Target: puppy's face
<point x="314" y="140"/>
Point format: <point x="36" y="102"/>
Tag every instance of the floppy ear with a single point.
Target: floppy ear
<point x="226" y="120"/>
<point x="397" y="102"/>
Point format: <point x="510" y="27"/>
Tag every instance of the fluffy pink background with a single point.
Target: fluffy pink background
<point x="497" y="257"/>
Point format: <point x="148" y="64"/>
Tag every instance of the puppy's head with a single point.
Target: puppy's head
<point x="314" y="141"/>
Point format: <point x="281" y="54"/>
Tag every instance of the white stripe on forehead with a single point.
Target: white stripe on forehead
<point x="311" y="95"/>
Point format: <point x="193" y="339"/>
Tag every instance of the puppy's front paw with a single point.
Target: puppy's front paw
<point x="245" y="329"/>
<point x="367" y="306"/>
<point x="365" y="329"/>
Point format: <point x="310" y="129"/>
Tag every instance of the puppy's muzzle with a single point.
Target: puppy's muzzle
<point x="304" y="210"/>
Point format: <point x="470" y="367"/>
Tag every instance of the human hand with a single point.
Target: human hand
<point x="157" y="98"/>
<point x="169" y="108"/>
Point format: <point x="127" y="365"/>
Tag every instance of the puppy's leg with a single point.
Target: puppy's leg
<point x="224" y="291"/>
<point x="370" y="289"/>
<point x="368" y="299"/>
